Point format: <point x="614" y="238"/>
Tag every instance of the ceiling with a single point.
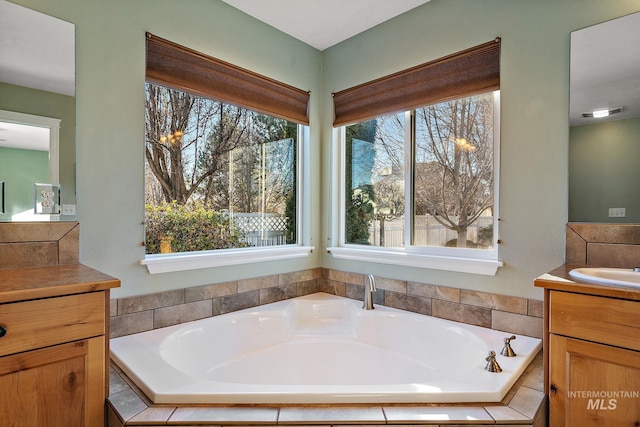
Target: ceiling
<point x="36" y="50"/>
<point x="14" y="135"/>
<point x="324" y="23"/>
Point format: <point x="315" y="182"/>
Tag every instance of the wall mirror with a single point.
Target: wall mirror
<point x="37" y="108"/>
<point x="29" y="151"/>
<point x="604" y="151"/>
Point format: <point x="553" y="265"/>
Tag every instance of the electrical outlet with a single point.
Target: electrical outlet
<point x="617" y="212"/>
<point x="68" y="209"/>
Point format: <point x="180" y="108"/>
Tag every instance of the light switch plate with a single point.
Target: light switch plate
<point x="68" y="209"/>
<point x="617" y="212"/>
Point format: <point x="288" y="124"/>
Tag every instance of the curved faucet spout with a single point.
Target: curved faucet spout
<point x="368" y="293"/>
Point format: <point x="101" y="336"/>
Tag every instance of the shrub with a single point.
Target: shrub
<point x="188" y="228"/>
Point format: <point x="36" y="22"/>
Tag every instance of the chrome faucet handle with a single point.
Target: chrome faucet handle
<point x="636" y="269"/>
<point x="492" y="363"/>
<point x="507" y="351"/>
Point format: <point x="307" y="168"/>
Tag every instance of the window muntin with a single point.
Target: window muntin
<point x="451" y="148"/>
<point x="217" y="176"/>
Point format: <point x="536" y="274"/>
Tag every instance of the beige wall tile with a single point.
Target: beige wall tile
<point x="421" y="289"/>
<point x="494" y="301"/>
<point x="605" y="245"/>
<point x="210" y="291"/>
<point x="472" y="315"/>
<point x="131" y="323"/>
<point x="278" y="293"/>
<point x="346" y="277"/>
<point x="69" y="247"/>
<point x="175" y="314"/>
<point x="38" y="244"/>
<point x="308" y="287"/>
<point x="150" y="301"/>
<point x="298" y="276"/>
<point x="411" y="303"/>
<point x="389" y="284"/>
<point x="448" y="294"/>
<point x="256" y="283"/>
<point x="31" y="254"/>
<point x="576" y="247"/>
<point x="613" y="255"/>
<point x="536" y="308"/>
<point x="237" y="302"/>
<point x="333" y="287"/>
<point x="516" y="324"/>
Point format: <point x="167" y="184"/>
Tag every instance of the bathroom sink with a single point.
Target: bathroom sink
<point x="607" y="276"/>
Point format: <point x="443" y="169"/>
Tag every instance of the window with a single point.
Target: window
<point x="420" y="186"/>
<point x="221" y="174"/>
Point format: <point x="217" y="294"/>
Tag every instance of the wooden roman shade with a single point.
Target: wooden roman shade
<point x="181" y="68"/>
<point x="469" y="72"/>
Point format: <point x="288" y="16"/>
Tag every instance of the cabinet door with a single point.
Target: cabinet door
<point x="60" y="386"/>
<point x="592" y="384"/>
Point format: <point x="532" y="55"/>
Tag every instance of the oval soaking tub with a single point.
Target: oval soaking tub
<point x="320" y="348"/>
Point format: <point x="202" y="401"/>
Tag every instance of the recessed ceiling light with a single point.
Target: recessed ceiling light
<point x="603" y="112"/>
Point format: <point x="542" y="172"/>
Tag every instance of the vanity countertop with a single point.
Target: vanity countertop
<point x="560" y="280"/>
<point x="43" y="282"/>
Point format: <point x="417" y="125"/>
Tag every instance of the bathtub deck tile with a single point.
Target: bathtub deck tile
<point x="331" y="415"/>
<point x="527" y="401"/>
<point x="504" y="414"/>
<point x="154" y="414"/>
<point x="450" y="414"/>
<point x="224" y="415"/>
<point x="127" y="404"/>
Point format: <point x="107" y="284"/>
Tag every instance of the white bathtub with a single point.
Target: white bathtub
<point x="320" y="348"/>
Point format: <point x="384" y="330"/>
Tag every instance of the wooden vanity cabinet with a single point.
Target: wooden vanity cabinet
<point x="592" y="354"/>
<point x="53" y="349"/>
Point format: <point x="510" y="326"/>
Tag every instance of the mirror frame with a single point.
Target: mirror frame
<point x="54" y="136"/>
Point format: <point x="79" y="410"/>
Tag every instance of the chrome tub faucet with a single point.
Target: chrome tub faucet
<point x="368" y="293"/>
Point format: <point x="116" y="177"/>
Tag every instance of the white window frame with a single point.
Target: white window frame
<point x="475" y="261"/>
<point x="165" y="263"/>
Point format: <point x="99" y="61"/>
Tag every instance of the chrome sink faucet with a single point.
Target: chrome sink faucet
<point x="368" y="293"/>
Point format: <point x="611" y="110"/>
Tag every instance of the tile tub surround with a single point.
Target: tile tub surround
<point x="603" y="245"/>
<point x="142" y="313"/>
<point x="524" y="405"/>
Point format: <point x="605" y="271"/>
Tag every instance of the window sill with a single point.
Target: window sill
<point x="166" y="263"/>
<point x="487" y="267"/>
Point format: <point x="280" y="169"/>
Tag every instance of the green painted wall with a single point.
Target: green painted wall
<point x="534" y="117"/>
<point x="20" y="169"/>
<point x="46" y="104"/>
<point x="535" y="76"/>
<point x="604" y="171"/>
<point x="110" y="72"/>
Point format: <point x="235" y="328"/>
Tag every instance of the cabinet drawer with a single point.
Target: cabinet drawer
<point x="605" y="320"/>
<point x="45" y="322"/>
